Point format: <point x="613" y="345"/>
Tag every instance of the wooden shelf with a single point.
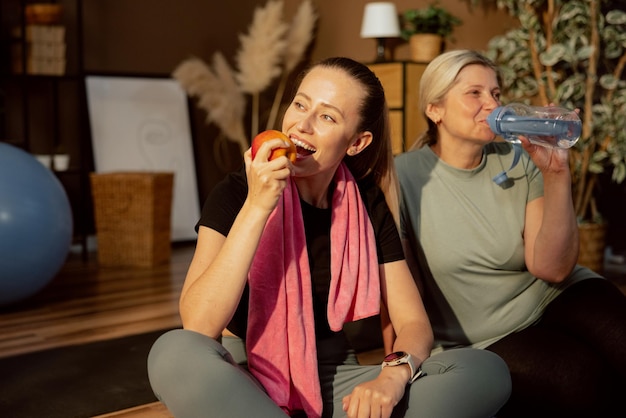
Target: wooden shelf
<point x="401" y="82"/>
<point x="43" y="113"/>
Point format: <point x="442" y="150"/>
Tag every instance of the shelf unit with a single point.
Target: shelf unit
<point x="46" y="113"/>
<point x="401" y="80"/>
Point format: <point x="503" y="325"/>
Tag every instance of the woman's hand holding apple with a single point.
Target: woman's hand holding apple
<point x="267" y="179"/>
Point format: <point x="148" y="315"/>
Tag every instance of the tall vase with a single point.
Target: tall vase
<point x="592" y="245"/>
<point x="424" y="47"/>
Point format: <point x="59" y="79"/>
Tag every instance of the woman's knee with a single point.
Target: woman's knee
<point x="476" y="368"/>
<point x="177" y="354"/>
<point x="477" y="380"/>
<point x="468" y="360"/>
<point x="192" y="373"/>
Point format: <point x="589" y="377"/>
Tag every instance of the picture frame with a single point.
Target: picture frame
<point x="143" y="124"/>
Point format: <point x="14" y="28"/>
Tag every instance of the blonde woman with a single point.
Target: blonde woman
<point x="502" y="257"/>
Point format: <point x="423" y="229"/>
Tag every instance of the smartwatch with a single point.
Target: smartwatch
<point x="400" y="357"/>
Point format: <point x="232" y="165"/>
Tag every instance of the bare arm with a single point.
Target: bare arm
<point x="551" y="230"/>
<point x="218" y="273"/>
<point x="219" y="268"/>
<point x="414" y="336"/>
<point x="406" y="310"/>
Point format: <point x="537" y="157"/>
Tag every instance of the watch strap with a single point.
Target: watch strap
<point x="400" y="357"/>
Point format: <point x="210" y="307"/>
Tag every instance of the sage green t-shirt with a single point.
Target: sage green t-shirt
<point x="471" y="231"/>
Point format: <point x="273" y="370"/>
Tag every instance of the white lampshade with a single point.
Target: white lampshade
<point x="380" y="20"/>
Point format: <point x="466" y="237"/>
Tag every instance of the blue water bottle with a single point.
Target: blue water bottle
<point x="549" y="126"/>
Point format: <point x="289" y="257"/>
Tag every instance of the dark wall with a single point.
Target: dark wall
<point x="151" y="37"/>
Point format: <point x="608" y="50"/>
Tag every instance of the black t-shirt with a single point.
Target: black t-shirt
<point x="225" y="201"/>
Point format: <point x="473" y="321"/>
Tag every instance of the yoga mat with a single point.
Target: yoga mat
<point x="77" y="381"/>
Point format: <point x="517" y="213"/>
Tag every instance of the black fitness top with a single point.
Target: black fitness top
<point x="225" y="201"/>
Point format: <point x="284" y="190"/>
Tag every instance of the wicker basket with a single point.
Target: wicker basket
<point x="592" y="246"/>
<point x="424" y="47"/>
<point x="132" y="212"/>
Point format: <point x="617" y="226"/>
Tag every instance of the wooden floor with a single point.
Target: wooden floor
<point x="87" y="302"/>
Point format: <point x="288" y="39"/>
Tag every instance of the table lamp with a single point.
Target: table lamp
<point x="380" y="21"/>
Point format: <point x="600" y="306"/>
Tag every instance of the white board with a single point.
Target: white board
<point x="142" y="124"/>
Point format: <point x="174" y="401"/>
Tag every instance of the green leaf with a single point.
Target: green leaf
<point x="608" y="81"/>
<point x="596" y="168"/>
<point x="554" y="55"/>
<point x="584" y="52"/>
<point x="619" y="172"/>
<point x="616" y="17"/>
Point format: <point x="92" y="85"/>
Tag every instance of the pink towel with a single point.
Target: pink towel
<point x="281" y="333"/>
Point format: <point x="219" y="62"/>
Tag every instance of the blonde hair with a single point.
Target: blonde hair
<point x="438" y="78"/>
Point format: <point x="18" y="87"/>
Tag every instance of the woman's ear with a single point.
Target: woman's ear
<point x="361" y="142"/>
<point x="432" y="112"/>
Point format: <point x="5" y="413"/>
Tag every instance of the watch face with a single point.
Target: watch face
<point x="395" y="356"/>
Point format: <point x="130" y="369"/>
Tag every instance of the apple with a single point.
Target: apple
<point x="290" y="152"/>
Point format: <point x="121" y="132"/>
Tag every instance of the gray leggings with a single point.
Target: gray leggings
<point x="195" y="376"/>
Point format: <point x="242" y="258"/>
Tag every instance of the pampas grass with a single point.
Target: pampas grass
<point x="218" y="94"/>
<point x="260" y="53"/>
<point x="269" y="49"/>
<point x="262" y="48"/>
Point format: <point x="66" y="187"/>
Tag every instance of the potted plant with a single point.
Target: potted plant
<point x="573" y="53"/>
<point x="426" y="29"/>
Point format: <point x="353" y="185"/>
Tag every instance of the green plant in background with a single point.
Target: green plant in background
<point x="432" y="19"/>
<point x="571" y="53"/>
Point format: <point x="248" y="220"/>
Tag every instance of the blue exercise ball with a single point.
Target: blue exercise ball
<point x="36" y="225"/>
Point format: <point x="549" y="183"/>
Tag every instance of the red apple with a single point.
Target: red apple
<point x="290" y="152"/>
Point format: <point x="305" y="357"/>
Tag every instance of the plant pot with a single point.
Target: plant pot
<point x="61" y="162"/>
<point x="592" y="245"/>
<point x="45" y="160"/>
<point x="424" y="47"/>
